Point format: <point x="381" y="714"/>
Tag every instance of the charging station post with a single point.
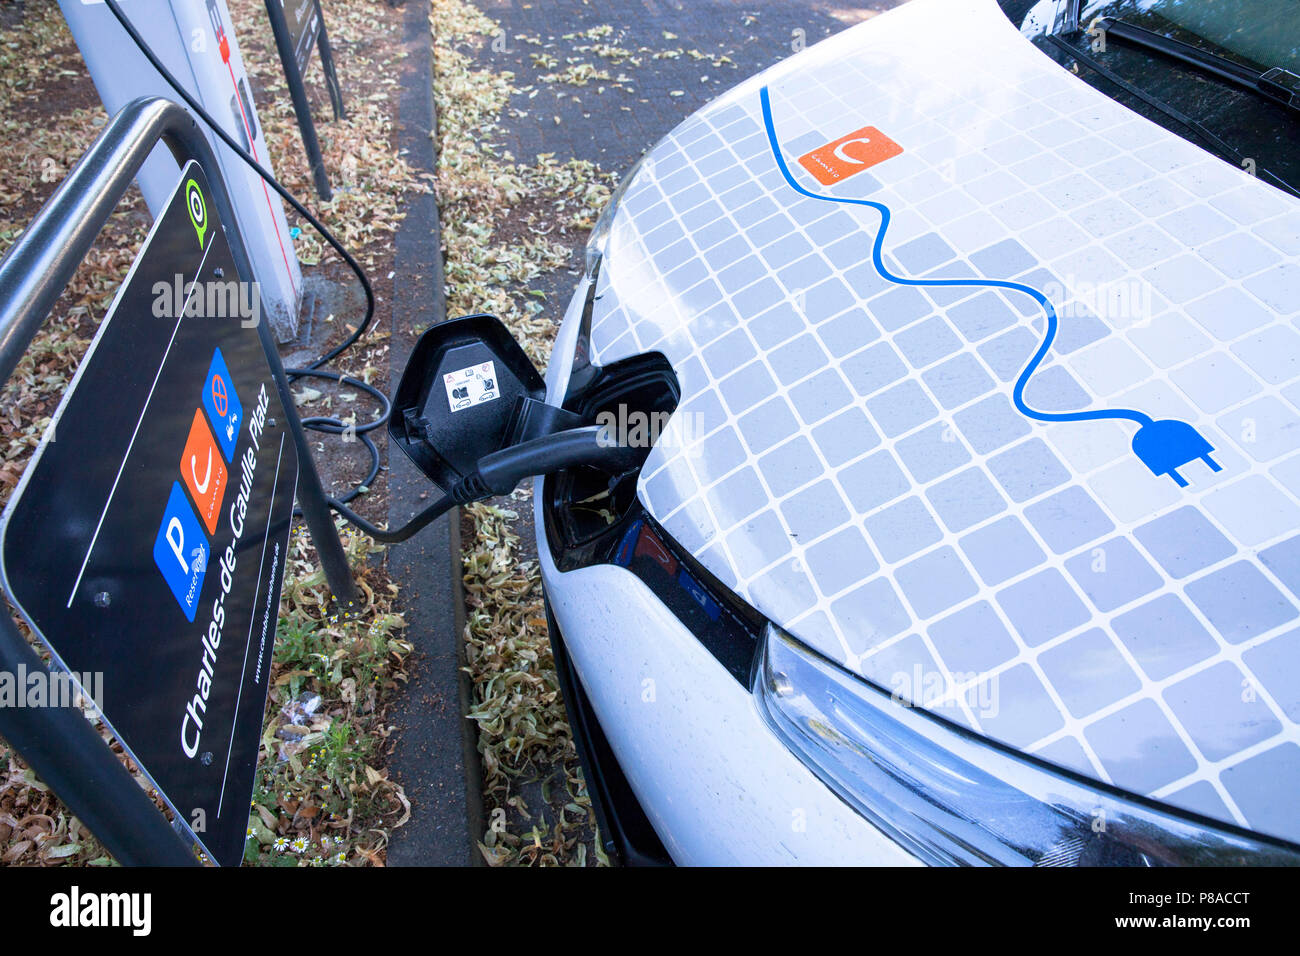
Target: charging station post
<point x="196" y="42"/>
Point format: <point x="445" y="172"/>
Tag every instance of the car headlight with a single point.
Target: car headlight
<point x="598" y="241"/>
<point x="951" y="797"/>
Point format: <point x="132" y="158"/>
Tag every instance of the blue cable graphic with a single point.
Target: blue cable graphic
<point x="1163" y="445"/>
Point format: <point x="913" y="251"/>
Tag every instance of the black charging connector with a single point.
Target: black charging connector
<point x="500" y="472"/>
<point x="532" y="418"/>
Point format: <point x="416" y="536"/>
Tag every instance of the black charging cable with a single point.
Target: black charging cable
<point x="325" y="424"/>
<point x="498" y="473"/>
<point x="495" y="474"/>
<point x="334" y="426"/>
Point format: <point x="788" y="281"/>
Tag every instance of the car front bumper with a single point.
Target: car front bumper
<point x="715" y="783"/>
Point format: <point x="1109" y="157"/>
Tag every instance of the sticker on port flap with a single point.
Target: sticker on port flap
<point x="472" y="386"/>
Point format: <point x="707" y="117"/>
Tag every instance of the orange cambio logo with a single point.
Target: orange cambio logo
<point x="203" y="471"/>
<point x="840" y="159"/>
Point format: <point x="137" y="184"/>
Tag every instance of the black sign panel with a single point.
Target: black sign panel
<point x="304" y="20"/>
<point x="146" y="542"/>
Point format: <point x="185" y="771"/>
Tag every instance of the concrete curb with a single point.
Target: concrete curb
<point x="436" y="753"/>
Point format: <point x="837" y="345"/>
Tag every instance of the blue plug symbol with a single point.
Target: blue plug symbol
<point x="1163" y="445"/>
<point x="1167" y="444"/>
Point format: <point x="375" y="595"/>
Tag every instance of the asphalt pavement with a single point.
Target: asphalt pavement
<point x="615" y="127"/>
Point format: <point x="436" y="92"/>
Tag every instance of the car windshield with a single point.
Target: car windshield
<point x="1258" y="33"/>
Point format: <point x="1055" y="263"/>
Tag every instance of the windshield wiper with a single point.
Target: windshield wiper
<point x="1197" y="128"/>
<point x="1279" y="85"/>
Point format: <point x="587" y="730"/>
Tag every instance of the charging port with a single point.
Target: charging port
<point x="632" y="402"/>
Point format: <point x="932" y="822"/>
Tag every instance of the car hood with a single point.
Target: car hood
<point x="861" y="455"/>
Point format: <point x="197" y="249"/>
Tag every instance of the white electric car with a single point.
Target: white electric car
<point x="974" y="533"/>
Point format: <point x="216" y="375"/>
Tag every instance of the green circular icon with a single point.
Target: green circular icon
<point x="198" y="209"/>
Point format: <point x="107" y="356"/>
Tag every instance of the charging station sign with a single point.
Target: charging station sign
<point x="146" y="541"/>
<point x="304" y="20"/>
